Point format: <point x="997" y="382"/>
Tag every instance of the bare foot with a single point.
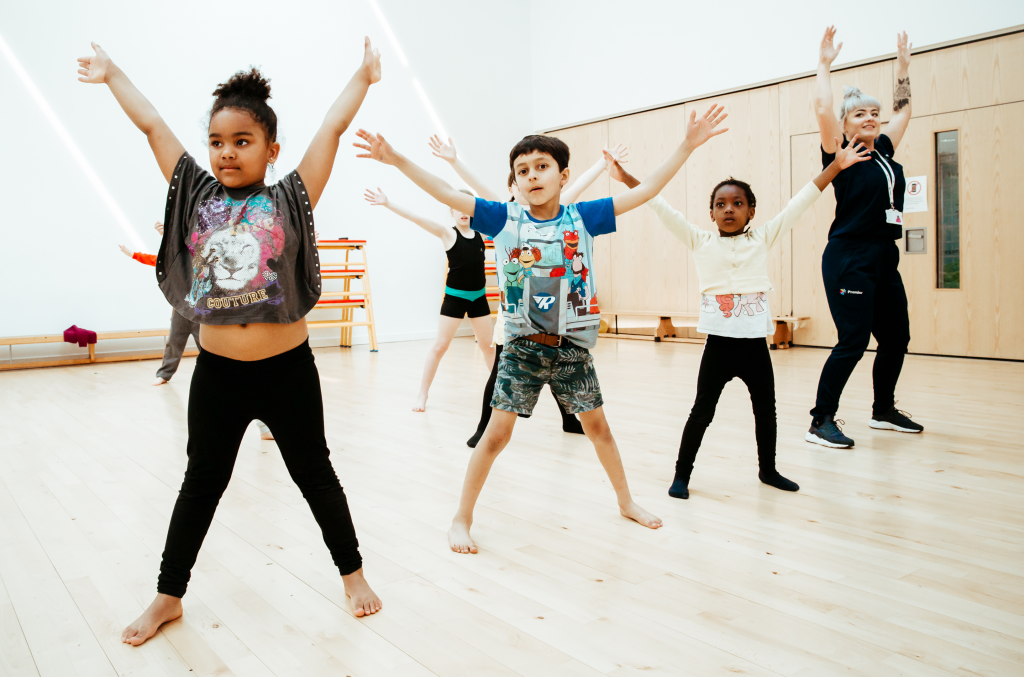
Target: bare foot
<point x="266" y="436"/>
<point x="363" y="600"/>
<point x="159" y="381"/>
<point x="421" y="403"/>
<point x="638" y="514"/>
<point x="163" y="609"/>
<point x="459" y="539"/>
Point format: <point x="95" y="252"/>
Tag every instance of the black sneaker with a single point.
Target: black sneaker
<point x="894" y="419"/>
<point x="828" y="433"/>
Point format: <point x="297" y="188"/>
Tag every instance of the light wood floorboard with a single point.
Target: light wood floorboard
<point x="903" y="556"/>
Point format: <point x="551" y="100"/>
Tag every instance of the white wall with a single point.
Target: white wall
<point x="596" y="58"/>
<point x="61" y="264"/>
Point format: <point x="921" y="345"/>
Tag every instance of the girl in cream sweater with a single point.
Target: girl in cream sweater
<point x="732" y="268"/>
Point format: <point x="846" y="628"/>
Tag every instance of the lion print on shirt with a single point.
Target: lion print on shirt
<point x="235" y="247"/>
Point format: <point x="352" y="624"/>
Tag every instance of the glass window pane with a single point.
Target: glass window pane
<point x="947" y="205"/>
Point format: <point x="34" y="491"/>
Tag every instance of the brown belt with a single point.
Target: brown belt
<point x="552" y="340"/>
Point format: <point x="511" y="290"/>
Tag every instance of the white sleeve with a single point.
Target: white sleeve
<point x="790" y="214"/>
<point x="684" y="231"/>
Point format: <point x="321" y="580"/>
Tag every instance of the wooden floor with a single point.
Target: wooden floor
<point x="903" y="556"/>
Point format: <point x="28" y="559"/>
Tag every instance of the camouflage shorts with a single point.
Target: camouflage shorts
<point x="526" y="366"/>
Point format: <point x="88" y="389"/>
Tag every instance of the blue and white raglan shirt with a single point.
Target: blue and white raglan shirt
<point x="545" y="268"/>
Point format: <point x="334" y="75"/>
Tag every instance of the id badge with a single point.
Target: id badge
<point x="894" y="216"/>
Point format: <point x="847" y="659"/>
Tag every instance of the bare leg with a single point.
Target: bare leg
<point x="163" y="609"/>
<point x="595" y="425"/>
<point x="446" y="328"/>
<point x="484" y="330"/>
<point x="497" y="435"/>
<point x="363" y="600"/>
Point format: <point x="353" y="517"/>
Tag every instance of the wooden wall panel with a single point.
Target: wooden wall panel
<point x="985" y="73"/>
<point x="874" y="79"/>
<point x="651" y="266"/>
<point x="749" y="151"/>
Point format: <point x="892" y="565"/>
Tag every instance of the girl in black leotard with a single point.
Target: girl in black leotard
<point x="465" y="288"/>
<point x="859" y="266"/>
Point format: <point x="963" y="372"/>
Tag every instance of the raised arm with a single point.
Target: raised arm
<point x="379" y="199"/>
<point x="584" y="181"/>
<point x="698" y="131"/>
<point x="447" y="152"/>
<point x="828" y="123"/>
<point x="789" y="216"/>
<point x="684" y="231"/>
<point x="377" y="148"/>
<point x="900" y="119"/>
<point x="100" y="69"/>
<point x="317" y="163"/>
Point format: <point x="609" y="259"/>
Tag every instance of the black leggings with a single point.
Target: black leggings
<point x="485" y="413"/>
<point x="725" y="359"/>
<point x="226" y="395"/>
<point x="865" y="296"/>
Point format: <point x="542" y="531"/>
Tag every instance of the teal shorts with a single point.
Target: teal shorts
<point x="526" y="366"/>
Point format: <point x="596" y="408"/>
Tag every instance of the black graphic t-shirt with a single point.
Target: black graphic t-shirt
<point x="862" y="195"/>
<point x="237" y="255"/>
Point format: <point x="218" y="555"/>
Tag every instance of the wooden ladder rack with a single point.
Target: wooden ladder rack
<point x="347" y="300"/>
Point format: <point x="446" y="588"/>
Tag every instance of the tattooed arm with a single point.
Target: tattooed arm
<point x="901" y="94"/>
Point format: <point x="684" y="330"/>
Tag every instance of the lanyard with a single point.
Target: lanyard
<point x="890" y="177"/>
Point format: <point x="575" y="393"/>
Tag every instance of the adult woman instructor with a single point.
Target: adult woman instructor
<point x="859" y="266"/>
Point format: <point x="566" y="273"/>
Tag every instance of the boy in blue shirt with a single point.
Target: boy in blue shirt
<point x="549" y="296"/>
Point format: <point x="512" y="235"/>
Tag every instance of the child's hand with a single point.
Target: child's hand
<point x="371" y="62"/>
<point x="852" y="154"/>
<point x="378" y="199"/>
<point x="127" y="252"/>
<point x="377" y="148"/>
<point x="903" y="48"/>
<point x="445" y="151"/>
<point x="699" y="130"/>
<point x="614" y="155"/>
<point x="826" y="52"/>
<point x="159" y="227"/>
<point x="615" y="170"/>
<point x="93" y="69"/>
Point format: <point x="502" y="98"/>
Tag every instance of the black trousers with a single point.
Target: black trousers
<point x="865" y="296"/>
<point x="725" y="359"/>
<point x="485" y="413"/>
<point x="226" y="395"/>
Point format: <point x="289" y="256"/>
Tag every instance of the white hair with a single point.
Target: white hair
<point x="853" y="99"/>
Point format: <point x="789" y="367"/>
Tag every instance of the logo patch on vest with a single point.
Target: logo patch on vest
<point x="544" y="301"/>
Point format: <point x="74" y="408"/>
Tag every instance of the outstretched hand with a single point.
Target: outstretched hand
<point x="903" y="47"/>
<point x="159" y="227"/>
<point x="614" y="155"/>
<point x="445" y="151"/>
<point x="127" y="252"/>
<point x="93" y="69"/>
<point x="615" y="169"/>
<point x="371" y="61"/>
<point x="700" y="129"/>
<point x="827" y="53"/>
<point x="378" y="199"/>
<point x="852" y="154"/>
<point x="376" y="147"/>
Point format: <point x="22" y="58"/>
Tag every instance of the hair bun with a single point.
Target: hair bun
<point x="246" y="84"/>
<point x="847" y="91"/>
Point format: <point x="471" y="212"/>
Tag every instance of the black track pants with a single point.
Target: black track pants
<point x="725" y="359"/>
<point x="226" y="395"/>
<point x="865" y="296"/>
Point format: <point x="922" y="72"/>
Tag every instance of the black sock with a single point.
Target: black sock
<point x="774" y="479"/>
<point x="472" y="441"/>
<point x="680" y="488"/>
<point x="571" y="424"/>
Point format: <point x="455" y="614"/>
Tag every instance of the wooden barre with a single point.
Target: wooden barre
<point x="100" y="336"/>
